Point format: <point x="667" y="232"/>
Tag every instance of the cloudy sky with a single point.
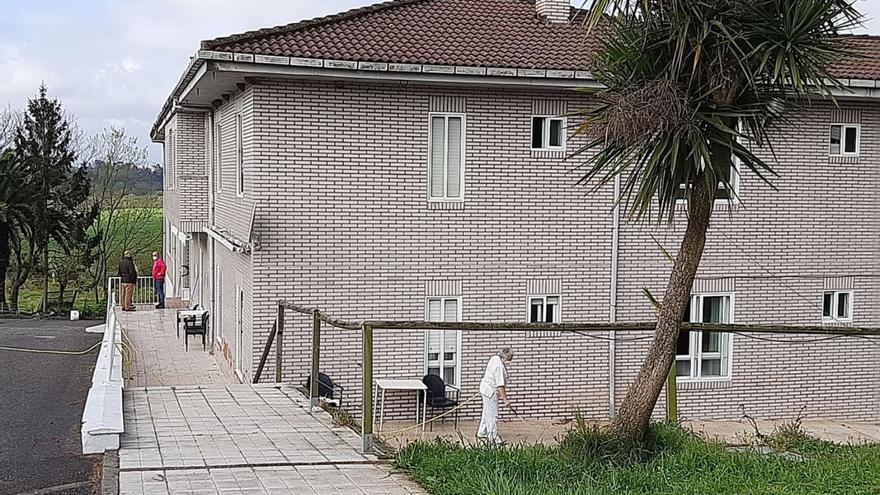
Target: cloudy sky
<point x="113" y="62"/>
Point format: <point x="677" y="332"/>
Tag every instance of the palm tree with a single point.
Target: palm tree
<point x="16" y="211"/>
<point x="689" y="87"/>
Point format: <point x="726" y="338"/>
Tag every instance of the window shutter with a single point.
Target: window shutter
<point x="453" y="175"/>
<point x="434" y="313"/>
<point x="451" y="310"/>
<point x="438" y="138"/>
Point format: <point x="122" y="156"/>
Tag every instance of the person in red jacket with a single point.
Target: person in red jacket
<point x="159" y="279"/>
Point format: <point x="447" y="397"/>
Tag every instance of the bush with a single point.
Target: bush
<point x="92" y="310"/>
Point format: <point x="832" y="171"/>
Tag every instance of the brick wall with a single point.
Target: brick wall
<point x="340" y="170"/>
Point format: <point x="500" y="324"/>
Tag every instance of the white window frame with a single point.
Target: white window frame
<point x="443" y="337"/>
<point x="834" y="319"/>
<point x="239" y="155"/>
<point x="239" y="328"/>
<point x="545" y="133"/>
<point x="557" y="318"/>
<point x="696" y="343"/>
<point x="843" y="127"/>
<point x="219" y="139"/>
<point x="172" y="158"/>
<point x="446" y="115"/>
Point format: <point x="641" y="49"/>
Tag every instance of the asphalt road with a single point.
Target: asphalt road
<point x="41" y="402"/>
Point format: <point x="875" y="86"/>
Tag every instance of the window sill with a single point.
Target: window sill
<point x="544" y="153"/>
<point x="837" y="323"/>
<point x="697" y="384"/>
<point x="438" y="204"/>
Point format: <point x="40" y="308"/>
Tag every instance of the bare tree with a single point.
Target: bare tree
<point x="122" y="221"/>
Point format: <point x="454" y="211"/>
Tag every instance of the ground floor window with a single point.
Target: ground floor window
<point x="442" y="346"/>
<point x="705" y="355"/>
<point x="544" y="309"/>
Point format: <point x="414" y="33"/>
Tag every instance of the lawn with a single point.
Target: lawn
<point x="671" y="461"/>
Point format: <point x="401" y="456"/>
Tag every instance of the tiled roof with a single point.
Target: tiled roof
<point x="479" y="33"/>
<point x="484" y="33"/>
<point x="864" y="65"/>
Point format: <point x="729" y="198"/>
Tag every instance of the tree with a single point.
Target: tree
<point x="689" y="87"/>
<point x="16" y="210"/>
<point x="44" y="142"/>
<point x="117" y="173"/>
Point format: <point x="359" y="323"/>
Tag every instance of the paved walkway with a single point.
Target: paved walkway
<point x="213" y="437"/>
<point x="159" y="355"/>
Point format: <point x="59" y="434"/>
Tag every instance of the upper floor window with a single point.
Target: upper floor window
<point x="544" y="309"/>
<point x="239" y="156"/>
<point x="171" y="166"/>
<point x="705" y="355"/>
<point x="837" y="307"/>
<point x="441" y="349"/>
<point x="548" y="133"/>
<point x="845" y="140"/>
<point x="218" y="170"/>
<point x="446" y="156"/>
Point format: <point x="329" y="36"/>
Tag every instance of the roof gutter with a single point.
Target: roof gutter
<point x="427" y="73"/>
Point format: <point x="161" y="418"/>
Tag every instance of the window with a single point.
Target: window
<point x="845" y="140"/>
<point x="239" y="330"/>
<point x="219" y="131"/>
<point x="441" y="350"/>
<point x="172" y="157"/>
<point x="239" y="157"/>
<point x="544" y="309"/>
<point x="548" y="133"/>
<point x="705" y="355"/>
<point x="446" y="157"/>
<point x="837" y="307"/>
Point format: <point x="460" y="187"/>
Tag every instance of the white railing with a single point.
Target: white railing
<point x="144" y="292"/>
<point x="102" y="421"/>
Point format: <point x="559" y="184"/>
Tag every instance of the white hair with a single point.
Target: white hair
<point x="506" y="353"/>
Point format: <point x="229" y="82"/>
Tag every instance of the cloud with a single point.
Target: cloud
<point x="114" y="62"/>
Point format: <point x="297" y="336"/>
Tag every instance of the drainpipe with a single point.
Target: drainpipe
<point x="612" y="307"/>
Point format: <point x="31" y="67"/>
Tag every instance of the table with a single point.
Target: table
<point x="186" y="314"/>
<point x="387" y="384"/>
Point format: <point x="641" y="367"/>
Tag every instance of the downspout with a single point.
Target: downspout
<point x="612" y="313"/>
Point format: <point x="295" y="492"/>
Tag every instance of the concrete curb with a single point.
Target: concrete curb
<point x="110" y="473"/>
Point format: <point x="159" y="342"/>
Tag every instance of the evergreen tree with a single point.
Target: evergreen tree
<point x="44" y="144"/>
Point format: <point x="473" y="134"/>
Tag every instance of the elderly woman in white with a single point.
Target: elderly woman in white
<point x="493" y="387"/>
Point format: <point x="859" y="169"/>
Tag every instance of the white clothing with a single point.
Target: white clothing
<point x="494" y="377"/>
<point x="489" y="420"/>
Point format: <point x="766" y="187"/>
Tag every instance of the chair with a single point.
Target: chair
<point x="437" y="397"/>
<point x="193" y="327"/>
<point x="194" y="308"/>
<point x="326" y="389"/>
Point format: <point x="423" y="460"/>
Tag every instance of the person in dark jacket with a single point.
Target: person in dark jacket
<point x="128" y="275"/>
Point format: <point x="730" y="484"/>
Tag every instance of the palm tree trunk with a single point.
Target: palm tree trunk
<point x="634" y="416"/>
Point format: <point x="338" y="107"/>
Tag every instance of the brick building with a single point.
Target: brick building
<point x="407" y="161"/>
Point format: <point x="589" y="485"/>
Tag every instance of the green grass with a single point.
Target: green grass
<point x="671" y="461"/>
<point x="142" y="244"/>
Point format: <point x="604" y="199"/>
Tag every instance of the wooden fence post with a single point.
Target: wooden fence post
<point x="367" y="389"/>
<point x="279" y="343"/>
<point x="314" y="390"/>
<point x="671" y="396"/>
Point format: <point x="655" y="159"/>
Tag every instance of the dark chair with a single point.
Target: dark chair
<point x="327" y="390"/>
<point x="191" y="326"/>
<point x="194" y="308"/>
<point x="438" y="397"/>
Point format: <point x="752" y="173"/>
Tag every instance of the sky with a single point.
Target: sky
<point x="114" y="62"/>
